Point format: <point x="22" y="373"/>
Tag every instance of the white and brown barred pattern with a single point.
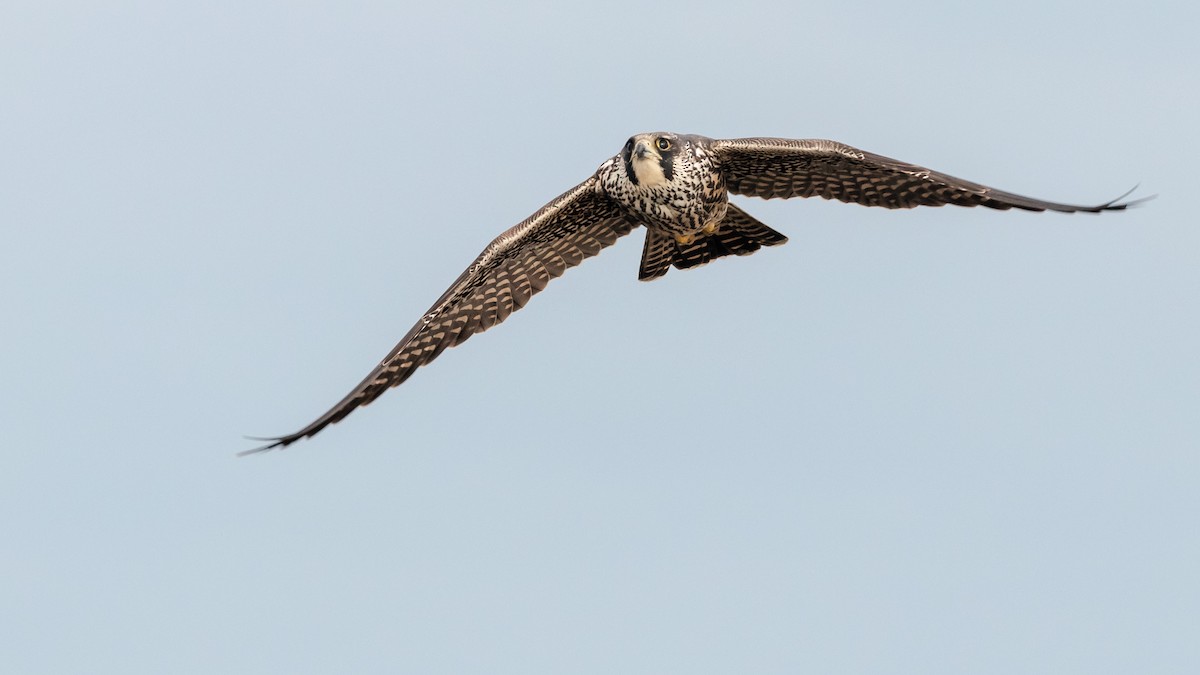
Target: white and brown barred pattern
<point x="593" y="215"/>
<point x="785" y="168"/>
<point x="512" y="269"/>
<point x="738" y="234"/>
<point x="693" y="195"/>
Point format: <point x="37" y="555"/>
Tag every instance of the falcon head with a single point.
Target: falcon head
<point x="650" y="158"/>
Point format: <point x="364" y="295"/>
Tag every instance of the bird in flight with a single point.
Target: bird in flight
<point x="678" y="187"/>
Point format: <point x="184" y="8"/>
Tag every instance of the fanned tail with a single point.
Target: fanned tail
<point x="738" y="234"/>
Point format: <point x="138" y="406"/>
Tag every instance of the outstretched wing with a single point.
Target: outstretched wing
<point x="785" y="168"/>
<point x="514" y="267"/>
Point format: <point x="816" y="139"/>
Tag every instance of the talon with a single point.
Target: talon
<point x="685" y="239"/>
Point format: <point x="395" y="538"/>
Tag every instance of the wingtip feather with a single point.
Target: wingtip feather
<point x="275" y="442"/>
<point x="1133" y="204"/>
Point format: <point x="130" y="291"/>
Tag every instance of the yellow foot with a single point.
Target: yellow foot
<point x="711" y="227"/>
<point x="685" y="239"/>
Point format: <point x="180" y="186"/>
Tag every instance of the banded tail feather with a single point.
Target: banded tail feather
<point x="738" y="234"/>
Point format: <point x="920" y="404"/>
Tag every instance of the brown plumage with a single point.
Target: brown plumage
<point x="677" y="186"/>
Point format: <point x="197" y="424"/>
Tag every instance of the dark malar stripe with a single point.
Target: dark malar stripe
<point x="627" y="157"/>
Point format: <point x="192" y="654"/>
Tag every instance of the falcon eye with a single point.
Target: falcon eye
<point x="663" y="144"/>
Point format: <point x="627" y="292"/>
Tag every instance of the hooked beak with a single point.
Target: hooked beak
<point x="642" y="151"/>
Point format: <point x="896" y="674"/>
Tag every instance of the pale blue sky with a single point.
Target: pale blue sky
<point x="936" y="441"/>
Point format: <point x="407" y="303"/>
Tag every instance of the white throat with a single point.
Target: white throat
<point x="648" y="171"/>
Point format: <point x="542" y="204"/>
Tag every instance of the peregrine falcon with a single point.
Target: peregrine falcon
<point x="678" y="187"/>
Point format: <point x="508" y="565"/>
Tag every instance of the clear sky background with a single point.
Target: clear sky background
<point x="934" y="441"/>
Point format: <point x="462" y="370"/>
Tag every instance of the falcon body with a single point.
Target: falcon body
<point x="668" y="182"/>
<point x="678" y="187"/>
